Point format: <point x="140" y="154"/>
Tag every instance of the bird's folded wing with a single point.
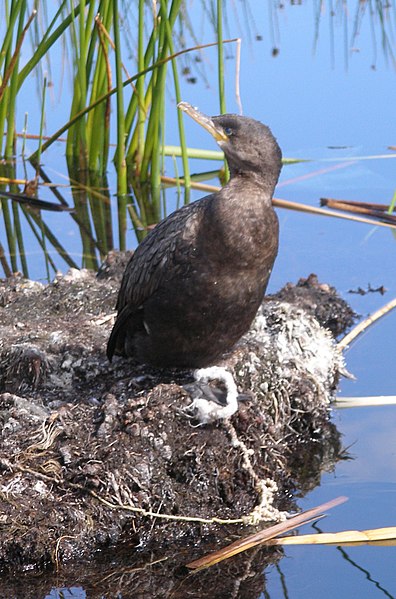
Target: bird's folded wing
<point x="165" y="253"/>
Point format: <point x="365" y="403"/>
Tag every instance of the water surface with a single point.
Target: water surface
<point x="314" y="104"/>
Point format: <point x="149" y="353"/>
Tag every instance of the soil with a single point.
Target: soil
<point x="94" y="457"/>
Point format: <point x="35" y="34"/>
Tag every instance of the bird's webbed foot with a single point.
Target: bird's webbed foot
<point x="214" y="395"/>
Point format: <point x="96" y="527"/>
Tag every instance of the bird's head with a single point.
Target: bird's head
<point x="248" y="145"/>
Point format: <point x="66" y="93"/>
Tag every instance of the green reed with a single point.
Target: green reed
<point x="114" y="97"/>
<point x="140" y="108"/>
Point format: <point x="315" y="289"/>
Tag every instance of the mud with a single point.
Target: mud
<point x="97" y="456"/>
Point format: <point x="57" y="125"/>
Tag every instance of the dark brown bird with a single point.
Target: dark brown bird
<point x="194" y="285"/>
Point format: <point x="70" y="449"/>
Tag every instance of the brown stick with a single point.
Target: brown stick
<point x="4" y="263"/>
<point x="280" y="203"/>
<point x="14" y="57"/>
<point x="262" y="536"/>
<point x="373" y="206"/>
<point x="376" y="212"/>
<point x="362" y="326"/>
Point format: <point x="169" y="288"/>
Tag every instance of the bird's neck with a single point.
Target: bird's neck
<point x="241" y="226"/>
<point x="249" y="184"/>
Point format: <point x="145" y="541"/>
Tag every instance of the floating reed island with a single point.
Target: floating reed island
<point x="93" y="454"/>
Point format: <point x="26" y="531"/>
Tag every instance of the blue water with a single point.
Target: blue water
<point x="369" y="480"/>
<point x="313" y="101"/>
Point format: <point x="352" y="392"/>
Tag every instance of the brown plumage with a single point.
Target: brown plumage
<point x="194" y="285"/>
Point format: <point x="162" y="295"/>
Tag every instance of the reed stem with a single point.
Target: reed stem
<point x="120" y="161"/>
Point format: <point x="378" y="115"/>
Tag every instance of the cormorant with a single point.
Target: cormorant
<point x="195" y="283"/>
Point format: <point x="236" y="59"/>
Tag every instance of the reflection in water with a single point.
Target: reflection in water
<point x="162" y="574"/>
<point x="356" y="565"/>
<point x="67" y="593"/>
<point x="345" y="269"/>
<point x="366" y="572"/>
<point x="283" y="581"/>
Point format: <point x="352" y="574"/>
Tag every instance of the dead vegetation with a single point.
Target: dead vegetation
<point x="96" y="455"/>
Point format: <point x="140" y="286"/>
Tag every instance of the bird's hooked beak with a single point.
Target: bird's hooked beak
<point x="205" y="121"/>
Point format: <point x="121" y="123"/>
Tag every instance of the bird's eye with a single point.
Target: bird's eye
<point x="228" y="131"/>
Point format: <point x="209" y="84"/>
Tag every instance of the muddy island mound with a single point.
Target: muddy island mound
<point x="95" y="455"/>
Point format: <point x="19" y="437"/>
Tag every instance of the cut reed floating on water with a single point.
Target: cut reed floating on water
<point x="362" y="326"/>
<point x="263" y="536"/>
<point x="385" y="535"/>
<point x="287" y="204"/>
<point x="380" y="211"/>
<point x="362" y="402"/>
